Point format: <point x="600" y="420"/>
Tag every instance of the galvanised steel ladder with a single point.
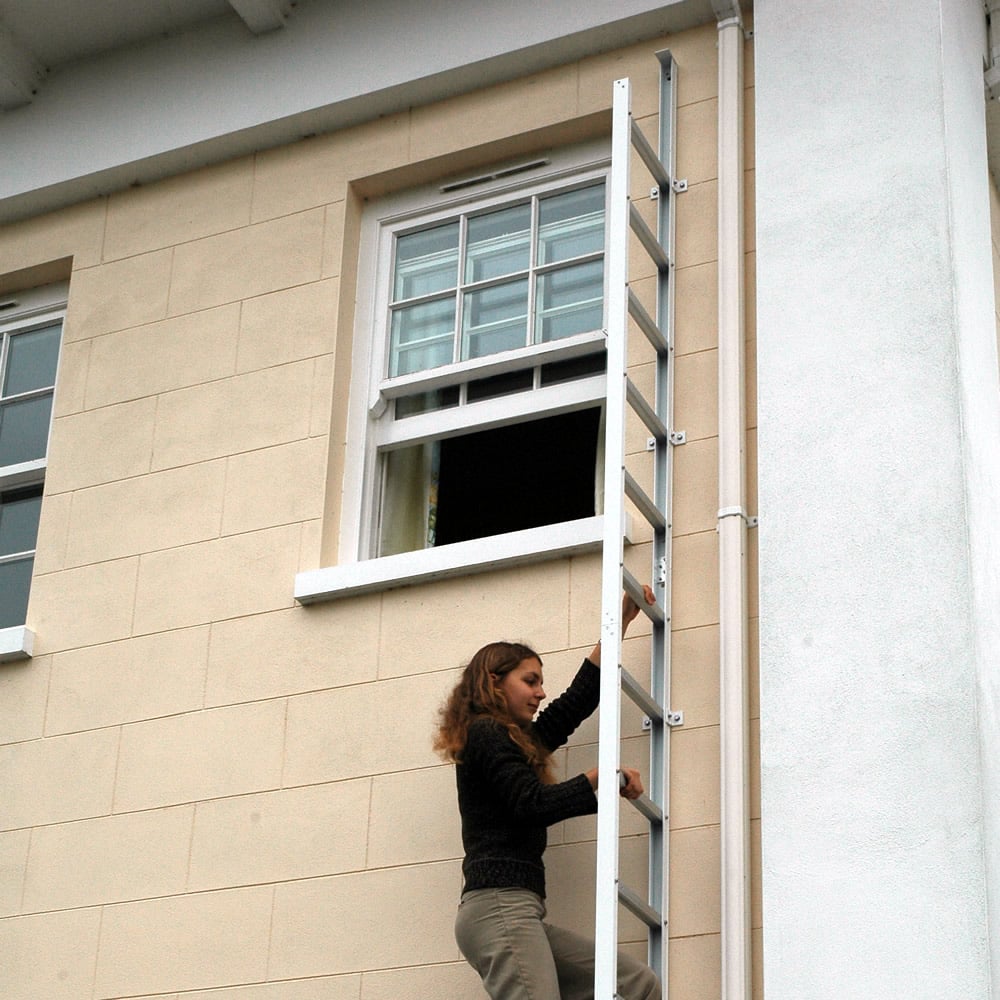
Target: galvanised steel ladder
<point x="626" y="403"/>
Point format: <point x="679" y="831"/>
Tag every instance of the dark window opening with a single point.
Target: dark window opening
<point x="519" y="476"/>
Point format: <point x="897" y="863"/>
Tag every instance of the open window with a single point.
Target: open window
<point x="477" y="394"/>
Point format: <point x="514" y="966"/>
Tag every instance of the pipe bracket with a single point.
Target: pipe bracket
<point x="738" y="512"/>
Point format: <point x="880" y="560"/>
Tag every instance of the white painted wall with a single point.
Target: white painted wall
<point x="879" y="445"/>
<point x="219" y="91"/>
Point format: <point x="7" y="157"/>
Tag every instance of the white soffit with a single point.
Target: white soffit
<point x="261" y="15"/>
<point x="20" y="71"/>
<point x="215" y="91"/>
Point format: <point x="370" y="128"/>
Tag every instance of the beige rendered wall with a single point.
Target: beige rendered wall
<point x="207" y="790"/>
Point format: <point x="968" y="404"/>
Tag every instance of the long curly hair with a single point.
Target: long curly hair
<point x="479" y="694"/>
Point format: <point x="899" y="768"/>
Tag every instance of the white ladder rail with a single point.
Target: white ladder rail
<point x="624" y="397"/>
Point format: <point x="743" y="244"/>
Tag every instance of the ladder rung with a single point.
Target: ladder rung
<point x="652" y="611"/>
<point x="647" y="239"/>
<point x="653" y="515"/>
<point x="639" y="906"/>
<point x="648" y="808"/>
<point x="641" y="696"/>
<point x="646" y="413"/>
<point x="653" y="163"/>
<point x="645" y="323"/>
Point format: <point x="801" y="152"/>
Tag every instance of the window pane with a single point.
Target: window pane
<point x="422" y="336"/>
<point x="574" y="368"/>
<point x="31" y="362"/>
<point x="571" y="224"/>
<point x="495" y="319"/>
<point x="498" y="244"/>
<point x="570" y="301"/>
<point x="19" y="511"/>
<point x="500" y="385"/>
<point x="426" y="402"/>
<point x="426" y="262"/>
<point x="15" y="582"/>
<point x="24" y="430"/>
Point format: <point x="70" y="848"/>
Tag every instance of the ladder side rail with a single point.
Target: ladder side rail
<point x="659" y="868"/>
<point x="609" y="730"/>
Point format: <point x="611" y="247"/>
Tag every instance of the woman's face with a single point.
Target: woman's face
<point x="523" y="690"/>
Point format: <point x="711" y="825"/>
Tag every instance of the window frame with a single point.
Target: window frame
<point x="371" y="428"/>
<point x="28" y="310"/>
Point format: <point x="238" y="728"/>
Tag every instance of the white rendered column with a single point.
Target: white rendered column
<point x="879" y="466"/>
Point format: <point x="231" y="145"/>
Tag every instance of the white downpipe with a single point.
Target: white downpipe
<point x="732" y="524"/>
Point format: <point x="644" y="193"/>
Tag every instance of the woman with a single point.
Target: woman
<point x="508" y="798"/>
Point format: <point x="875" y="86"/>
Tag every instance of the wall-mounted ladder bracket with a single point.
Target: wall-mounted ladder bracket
<point x="673" y="719"/>
<point x="678" y="185"/>
<point x="674" y="438"/>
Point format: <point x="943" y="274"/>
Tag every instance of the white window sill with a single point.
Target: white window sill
<point x="460" y="559"/>
<point x="16" y="643"/>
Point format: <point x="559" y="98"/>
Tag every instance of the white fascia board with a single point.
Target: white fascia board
<point x="480" y="555"/>
<point x="16" y="643"/>
<point x="333" y="65"/>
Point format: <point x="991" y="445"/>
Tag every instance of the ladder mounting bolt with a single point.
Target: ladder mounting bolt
<point x="678" y="437"/>
<point x="679" y="186"/>
<point x="674" y="718"/>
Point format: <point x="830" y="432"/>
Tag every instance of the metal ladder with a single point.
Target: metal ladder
<point x="625" y="403"/>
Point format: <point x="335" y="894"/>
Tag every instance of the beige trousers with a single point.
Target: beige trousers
<point x="503" y="935"/>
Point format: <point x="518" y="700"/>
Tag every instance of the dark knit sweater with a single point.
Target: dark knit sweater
<point x="505" y="808"/>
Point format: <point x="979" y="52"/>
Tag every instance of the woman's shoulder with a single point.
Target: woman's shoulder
<point x="486" y="727"/>
<point x="487" y="733"/>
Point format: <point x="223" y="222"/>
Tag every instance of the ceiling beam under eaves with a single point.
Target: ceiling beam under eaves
<point x="20" y="72"/>
<point x="261" y="15"/>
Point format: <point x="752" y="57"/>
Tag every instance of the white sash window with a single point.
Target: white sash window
<point x="30" y="336"/>
<point x="484" y="324"/>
